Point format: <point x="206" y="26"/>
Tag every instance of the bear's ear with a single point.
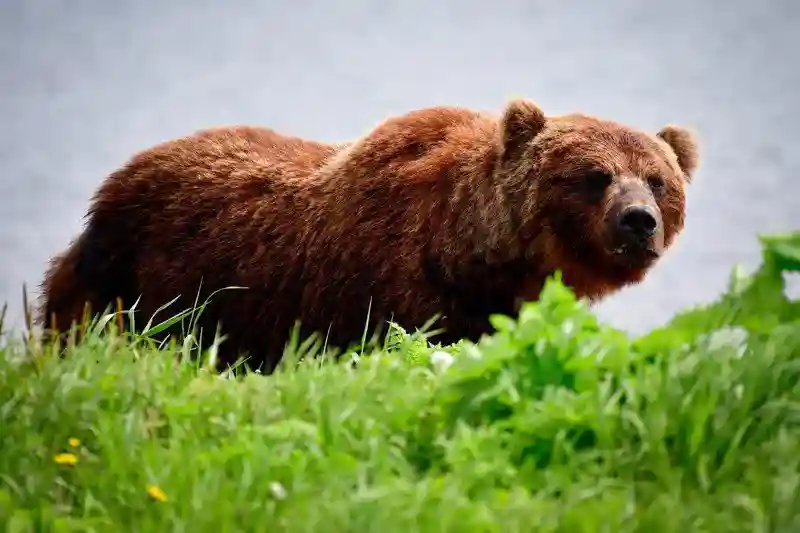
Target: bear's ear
<point x="684" y="144"/>
<point x="522" y="121"/>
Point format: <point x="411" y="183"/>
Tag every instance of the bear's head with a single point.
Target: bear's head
<point x="597" y="200"/>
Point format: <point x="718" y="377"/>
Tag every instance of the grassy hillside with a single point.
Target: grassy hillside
<point x="555" y="423"/>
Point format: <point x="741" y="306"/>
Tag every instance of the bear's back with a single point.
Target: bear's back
<point x="247" y="149"/>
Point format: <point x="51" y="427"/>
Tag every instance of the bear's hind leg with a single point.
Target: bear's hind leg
<point x="88" y="277"/>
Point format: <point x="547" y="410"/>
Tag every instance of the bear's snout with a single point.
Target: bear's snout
<point x="637" y="233"/>
<point x="637" y="223"/>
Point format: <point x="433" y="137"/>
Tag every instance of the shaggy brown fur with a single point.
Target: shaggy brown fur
<point x="441" y="210"/>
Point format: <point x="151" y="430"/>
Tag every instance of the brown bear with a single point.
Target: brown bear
<point x="441" y="211"/>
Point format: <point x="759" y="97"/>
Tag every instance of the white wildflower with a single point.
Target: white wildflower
<point x="441" y="360"/>
<point x="277" y="490"/>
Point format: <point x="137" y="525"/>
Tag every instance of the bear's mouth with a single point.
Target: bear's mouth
<point x="636" y="256"/>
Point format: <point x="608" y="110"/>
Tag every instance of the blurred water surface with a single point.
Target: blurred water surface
<point x="85" y="84"/>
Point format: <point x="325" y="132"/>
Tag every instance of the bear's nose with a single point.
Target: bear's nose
<point x="638" y="221"/>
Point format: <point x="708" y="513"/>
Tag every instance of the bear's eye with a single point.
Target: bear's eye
<point x="656" y="184"/>
<point x="596" y="182"/>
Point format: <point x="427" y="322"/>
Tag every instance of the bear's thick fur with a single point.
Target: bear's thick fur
<point x="439" y="211"/>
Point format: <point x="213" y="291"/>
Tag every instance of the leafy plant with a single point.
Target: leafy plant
<point x="556" y="422"/>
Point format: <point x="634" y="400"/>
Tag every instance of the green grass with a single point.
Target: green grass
<point x="554" y="423"/>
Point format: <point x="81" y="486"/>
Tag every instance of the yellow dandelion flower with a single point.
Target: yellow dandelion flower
<point x="155" y="492"/>
<point x="65" y="459"/>
<point x="74" y="442"/>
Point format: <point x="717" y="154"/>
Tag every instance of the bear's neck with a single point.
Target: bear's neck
<point x="479" y="214"/>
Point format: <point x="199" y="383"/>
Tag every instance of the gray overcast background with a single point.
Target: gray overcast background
<point x="85" y="84"/>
